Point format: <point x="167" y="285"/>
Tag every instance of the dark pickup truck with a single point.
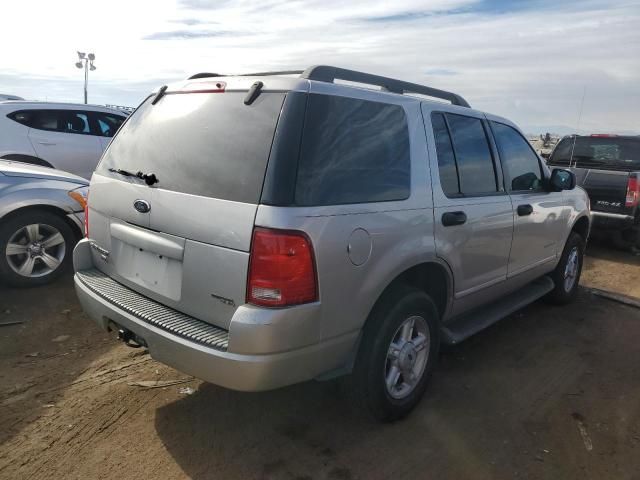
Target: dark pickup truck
<point x="608" y="168"/>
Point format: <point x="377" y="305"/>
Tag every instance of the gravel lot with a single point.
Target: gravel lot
<point x="548" y="393"/>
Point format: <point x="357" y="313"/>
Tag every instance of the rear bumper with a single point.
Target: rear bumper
<point x="219" y="365"/>
<point x="611" y="220"/>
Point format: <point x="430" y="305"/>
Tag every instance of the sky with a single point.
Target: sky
<point x="530" y="61"/>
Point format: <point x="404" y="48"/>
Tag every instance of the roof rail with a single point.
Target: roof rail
<point x="325" y="73"/>
<point x="204" y="75"/>
<point x="267" y="74"/>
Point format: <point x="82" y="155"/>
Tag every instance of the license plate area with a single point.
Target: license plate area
<point x="151" y="270"/>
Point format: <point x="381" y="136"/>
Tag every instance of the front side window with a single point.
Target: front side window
<point x="108" y="124"/>
<point x="74" y="122"/>
<point x="476" y="170"/>
<point x="520" y="162"/>
<point x="352" y="151"/>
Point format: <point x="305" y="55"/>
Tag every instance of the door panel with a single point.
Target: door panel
<point x="537" y="213"/>
<point x="473" y="215"/>
<point x="478" y="250"/>
<point x="536" y="235"/>
<point x="72" y="152"/>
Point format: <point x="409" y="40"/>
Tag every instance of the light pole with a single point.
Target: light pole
<point x="86" y="62"/>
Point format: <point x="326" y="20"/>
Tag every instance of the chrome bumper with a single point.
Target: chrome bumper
<point x="241" y="359"/>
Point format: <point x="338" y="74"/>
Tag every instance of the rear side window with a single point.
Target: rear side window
<point x="446" y="158"/>
<point x="464" y="158"/>
<point x="352" y="151"/>
<point x="521" y="163"/>
<point x="207" y="144"/>
<point x="64" y="121"/>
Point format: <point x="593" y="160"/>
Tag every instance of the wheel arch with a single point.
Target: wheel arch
<point x="59" y="212"/>
<point x="581" y="226"/>
<point x="432" y="277"/>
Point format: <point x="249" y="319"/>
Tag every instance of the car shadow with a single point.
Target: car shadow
<point x="480" y="397"/>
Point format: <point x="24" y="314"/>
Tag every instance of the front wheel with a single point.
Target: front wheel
<point x="397" y="353"/>
<point x="35" y="248"/>
<point x="566" y="275"/>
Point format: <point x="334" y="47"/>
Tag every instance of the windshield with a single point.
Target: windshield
<point x="208" y="144"/>
<point x="616" y="153"/>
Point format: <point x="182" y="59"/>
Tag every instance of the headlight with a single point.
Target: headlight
<point x="80" y="195"/>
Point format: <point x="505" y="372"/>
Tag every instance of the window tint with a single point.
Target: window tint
<point x="73" y="122"/>
<point x="446" y="158"/>
<point x="521" y="164"/>
<point x="66" y="121"/>
<point x="618" y="153"/>
<point x="25" y="117"/>
<point x="207" y="144"/>
<point x="352" y="151"/>
<point x="473" y="156"/>
<point x="46" y="120"/>
<point x="108" y="124"/>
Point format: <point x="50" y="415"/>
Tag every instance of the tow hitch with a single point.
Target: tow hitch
<point x="129" y="338"/>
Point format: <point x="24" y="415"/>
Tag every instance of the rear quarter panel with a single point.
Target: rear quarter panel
<point x="397" y="234"/>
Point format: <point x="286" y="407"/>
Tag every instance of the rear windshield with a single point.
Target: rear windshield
<point x="613" y="153"/>
<point x="208" y="144"/>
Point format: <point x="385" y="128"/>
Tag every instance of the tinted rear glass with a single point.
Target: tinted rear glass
<point x="473" y="156"/>
<point x="353" y="151"/>
<point x="615" y="153"/>
<point x="208" y="144"/>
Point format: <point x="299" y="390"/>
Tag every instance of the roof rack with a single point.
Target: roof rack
<point x="324" y="73"/>
<point x="267" y="74"/>
<point x="204" y="75"/>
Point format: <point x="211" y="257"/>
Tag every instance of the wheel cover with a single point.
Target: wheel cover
<point x="407" y="357"/>
<point x="571" y="269"/>
<point x="35" y="250"/>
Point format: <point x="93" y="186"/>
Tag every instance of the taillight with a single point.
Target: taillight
<point x="281" y="269"/>
<point x="633" y="192"/>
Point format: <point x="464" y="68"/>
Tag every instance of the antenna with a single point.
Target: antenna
<point x="573" y="146"/>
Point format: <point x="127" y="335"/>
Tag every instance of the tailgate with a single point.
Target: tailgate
<point x="209" y="152"/>
<point x="607" y="189"/>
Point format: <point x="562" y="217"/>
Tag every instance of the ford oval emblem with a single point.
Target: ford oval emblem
<point x="142" y="206"/>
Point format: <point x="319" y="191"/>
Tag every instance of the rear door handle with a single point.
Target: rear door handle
<point x="524" y="210"/>
<point x="46" y="143"/>
<point x="449" y="219"/>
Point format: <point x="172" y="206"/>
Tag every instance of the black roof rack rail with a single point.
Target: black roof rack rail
<point x="267" y="74"/>
<point x="325" y="73"/>
<point x="204" y="75"/>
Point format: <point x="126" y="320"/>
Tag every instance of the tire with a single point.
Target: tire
<point x="31" y="256"/>
<point x="566" y="284"/>
<point x="374" y="362"/>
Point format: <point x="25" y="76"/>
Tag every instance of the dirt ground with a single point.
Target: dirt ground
<point x="549" y="393"/>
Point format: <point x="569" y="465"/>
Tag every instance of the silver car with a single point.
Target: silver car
<point x="261" y="230"/>
<point x="41" y="220"/>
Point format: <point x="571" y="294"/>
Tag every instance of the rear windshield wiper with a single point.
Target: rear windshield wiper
<point x="149" y="178"/>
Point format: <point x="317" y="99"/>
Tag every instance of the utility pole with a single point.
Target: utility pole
<point x="86" y="61"/>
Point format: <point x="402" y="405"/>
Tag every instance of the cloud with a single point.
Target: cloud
<point x="185" y="35"/>
<point x="528" y="61"/>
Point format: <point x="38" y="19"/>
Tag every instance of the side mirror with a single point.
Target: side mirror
<point x="562" y="179"/>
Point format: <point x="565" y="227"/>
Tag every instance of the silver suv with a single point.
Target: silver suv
<point x="261" y="230"/>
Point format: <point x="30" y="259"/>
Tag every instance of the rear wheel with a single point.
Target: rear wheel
<point x="35" y="248"/>
<point x="397" y="353"/>
<point x="566" y="276"/>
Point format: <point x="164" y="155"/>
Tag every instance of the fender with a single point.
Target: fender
<point x="20" y="157"/>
